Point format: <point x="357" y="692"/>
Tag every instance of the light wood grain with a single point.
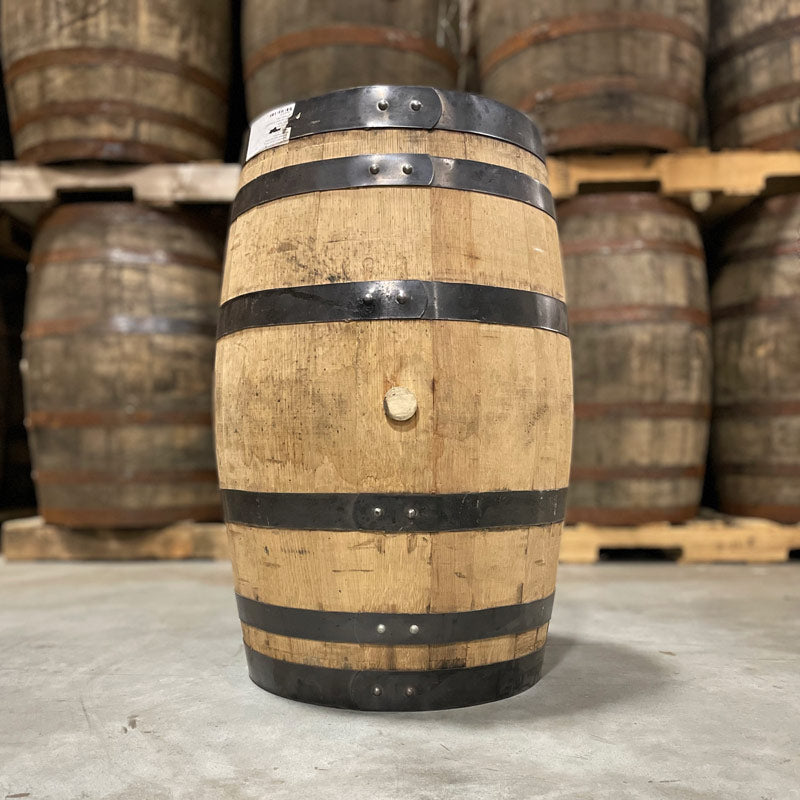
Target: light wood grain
<point x="300" y="409"/>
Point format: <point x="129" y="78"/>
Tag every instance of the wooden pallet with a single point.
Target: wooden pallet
<point x="33" y="539"/>
<point x="713" y="539"/>
<point x="27" y="190"/>
<point x="715" y="184"/>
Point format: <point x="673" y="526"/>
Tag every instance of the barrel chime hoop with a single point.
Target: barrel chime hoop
<point x="394" y="513"/>
<point x="395" y="629"/>
<point x="393" y="169"/>
<point x="376" y="107"/>
<point x="394" y="690"/>
<point x="365" y="301"/>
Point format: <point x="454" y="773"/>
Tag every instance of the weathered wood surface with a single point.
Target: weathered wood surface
<point x="119" y="344"/>
<point x="143" y="81"/>
<point x="33" y="539"/>
<point x="301" y="408"/>
<point x="754" y="74"/>
<point x="598" y="74"/>
<point x="307" y="48"/>
<point x="638" y="307"/>
<point x="706" y="540"/>
<point x="756" y="307"/>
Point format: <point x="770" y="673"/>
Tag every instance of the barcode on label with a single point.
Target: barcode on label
<point x="270" y="130"/>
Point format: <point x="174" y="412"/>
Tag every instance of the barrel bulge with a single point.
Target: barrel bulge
<point x="118" y="355"/>
<point x="303" y="49"/>
<point x="138" y="82"/>
<point x="596" y="74"/>
<point x="756" y="430"/>
<point x="754" y="75"/>
<point x="300" y="416"/>
<point x="636" y="286"/>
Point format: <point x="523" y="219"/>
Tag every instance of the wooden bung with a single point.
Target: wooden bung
<point x="598" y="74"/>
<point x="118" y="348"/>
<point x="638" y="300"/>
<point x="756" y="304"/>
<point x="393" y="401"/>
<point x="306" y="48"/>
<point x="116" y="81"/>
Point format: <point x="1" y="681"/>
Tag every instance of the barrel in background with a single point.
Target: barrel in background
<point x="638" y="300"/>
<point x="116" y="81"/>
<point x="754" y="74"/>
<point x="301" y="49"/>
<point x="756" y="307"/>
<point x="393" y="402"/>
<point x="598" y="74"/>
<point x="119" y="341"/>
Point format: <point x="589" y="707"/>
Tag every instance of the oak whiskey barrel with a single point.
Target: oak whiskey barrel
<point x="118" y="346"/>
<point x="143" y="81"/>
<point x="393" y="400"/>
<point x="598" y="74"/>
<point x="638" y="299"/>
<point x="756" y="307"/>
<point x="302" y="49"/>
<point x="754" y="74"/>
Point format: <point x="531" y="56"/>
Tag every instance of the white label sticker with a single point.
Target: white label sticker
<point x="270" y="130"/>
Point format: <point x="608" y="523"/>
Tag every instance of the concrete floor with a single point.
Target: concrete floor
<point x="662" y="681"/>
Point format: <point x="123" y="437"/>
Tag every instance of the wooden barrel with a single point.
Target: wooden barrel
<point x="118" y="346"/>
<point x="116" y="81"/>
<point x="598" y="74"/>
<point x="754" y="74"/>
<point x="756" y="308"/>
<point x="393" y="401"/>
<point x="302" y="49"/>
<point x="638" y="299"/>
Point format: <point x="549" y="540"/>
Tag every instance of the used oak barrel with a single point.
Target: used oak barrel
<point x="754" y="74"/>
<point x="394" y="400"/>
<point x="306" y="48"/>
<point x="638" y="299"/>
<point x="756" y="308"/>
<point x="598" y="74"/>
<point x="118" y="347"/>
<point x="143" y="81"/>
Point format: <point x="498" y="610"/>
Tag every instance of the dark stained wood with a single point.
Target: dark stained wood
<point x="754" y="74"/>
<point x="641" y="353"/>
<point x="756" y="307"/>
<point x="597" y="74"/>
<point x="116" y="81"/>
<point x="119" y="406"/>
<point x="306" y="48"/>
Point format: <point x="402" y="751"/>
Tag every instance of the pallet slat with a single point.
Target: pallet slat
<point x="33" y="539"/>
<point x="701" y="541"/>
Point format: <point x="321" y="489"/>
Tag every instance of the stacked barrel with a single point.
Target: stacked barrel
<point x="119" y="329"/>
<point x="601" y="76"/>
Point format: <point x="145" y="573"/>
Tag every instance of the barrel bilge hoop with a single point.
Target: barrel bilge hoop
<point x="387" y="301"/>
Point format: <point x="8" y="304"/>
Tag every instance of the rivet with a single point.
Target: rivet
<point x="377" y="691"/>
<point x="368" y="299"/>
<point x="414" y="630"/>
<point x="408" y="169"/>
<point x="402" y="297"/>
<point x="383" y="105"/>
<point x="377" y="512"/>
<point x="381" y="628"/>
<point x="374" y="169"/>
<point x="411" y="513"/>
<point x="410" y="691"/>
<point x="415" y="105"/>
